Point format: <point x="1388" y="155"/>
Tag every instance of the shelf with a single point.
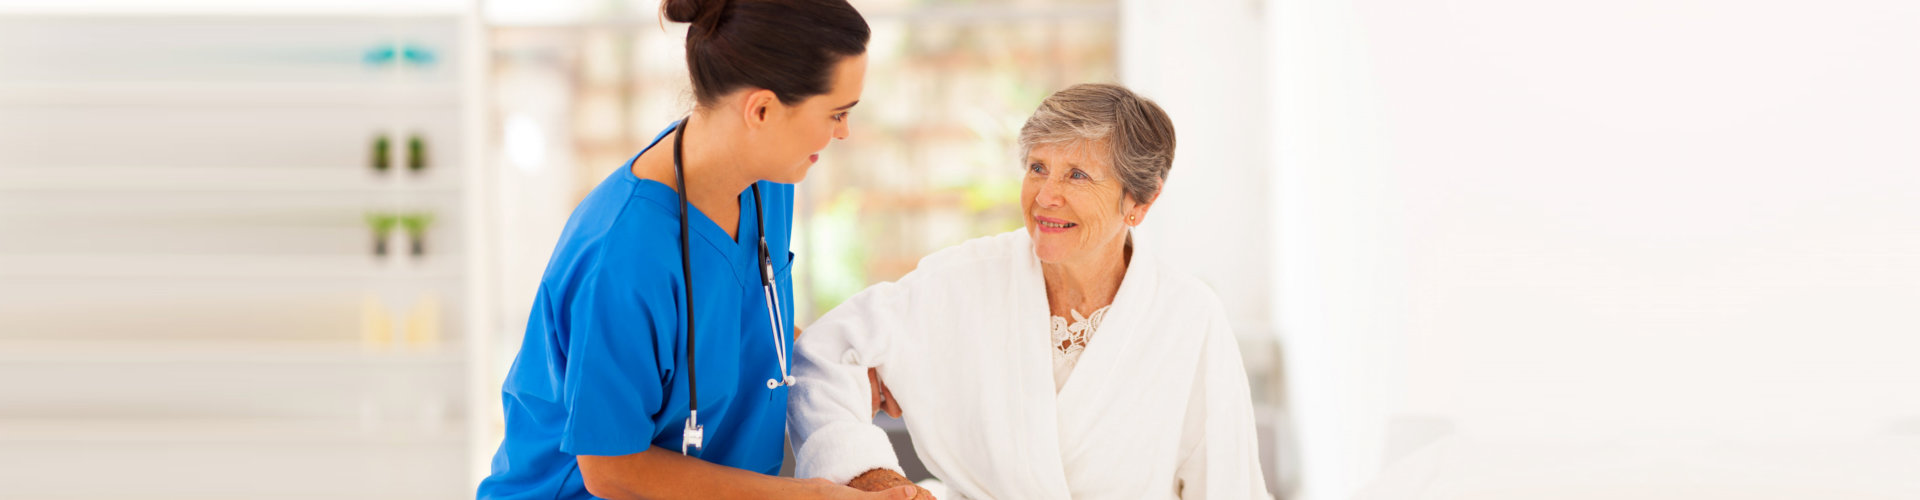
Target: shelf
<point x="216" y="267"/>
<point x="234" y="459"/>
<point x="226" y="431"/>
<point x="205" y="352"/>
<point x="224" y="94"/>
<point x="224" y="179"/>
<point x="186" y="276"/>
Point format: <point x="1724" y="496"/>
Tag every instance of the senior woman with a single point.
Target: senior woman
<point x="1061" y="360"/>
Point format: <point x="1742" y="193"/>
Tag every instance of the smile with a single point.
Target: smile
<point x="1052" y="225"/>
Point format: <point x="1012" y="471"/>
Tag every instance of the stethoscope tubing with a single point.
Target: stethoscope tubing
<point x="692" y="438"/>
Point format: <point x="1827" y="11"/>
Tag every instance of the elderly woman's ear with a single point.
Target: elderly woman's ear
<point x="1137" y="212"/>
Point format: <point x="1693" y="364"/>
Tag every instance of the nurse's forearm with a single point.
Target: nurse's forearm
<point x="661" y="474"/>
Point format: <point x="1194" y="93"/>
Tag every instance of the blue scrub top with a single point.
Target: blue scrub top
<point x="602" y="369"/>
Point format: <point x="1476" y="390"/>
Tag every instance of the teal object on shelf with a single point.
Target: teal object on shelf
<point x="378" y="56"/>
<point x="402" y="53"/>
<point x="417" y="55"/>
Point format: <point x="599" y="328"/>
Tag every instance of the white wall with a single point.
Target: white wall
<point x="1202" y="61"/>
<point x="1564" y="220"/>
<point x="1338" y="242"/>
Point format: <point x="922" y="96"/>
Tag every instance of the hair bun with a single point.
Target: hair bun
<point x="691" y="11"/>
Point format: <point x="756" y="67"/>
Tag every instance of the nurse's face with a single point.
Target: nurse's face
<point x="795" y="135"/>
<point x="1076" y="208"/>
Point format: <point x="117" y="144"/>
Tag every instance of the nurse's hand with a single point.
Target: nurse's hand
<point x="882" y="398"/>
<point x="838" y="492"/>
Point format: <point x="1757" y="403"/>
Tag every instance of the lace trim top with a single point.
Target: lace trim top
<point x="1070" y="339"/>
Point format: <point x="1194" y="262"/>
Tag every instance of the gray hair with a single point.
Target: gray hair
<point x="1138" y="133"/>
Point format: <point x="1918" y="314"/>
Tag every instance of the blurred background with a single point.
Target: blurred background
<point x="1473" y="249"/>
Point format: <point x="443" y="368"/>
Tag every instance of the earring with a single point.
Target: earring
<point x="1129" y="219"/>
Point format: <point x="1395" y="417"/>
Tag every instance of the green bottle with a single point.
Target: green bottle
<point x="381" y="157"/>
<point x="416" y="153"/>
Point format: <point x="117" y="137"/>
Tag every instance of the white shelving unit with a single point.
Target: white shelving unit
<point x="342" y="179"/>
<point x="232" y="267"/>
<point x="190" y="301"/>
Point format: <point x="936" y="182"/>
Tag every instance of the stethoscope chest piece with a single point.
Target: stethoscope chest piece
<point x="694" y="436"/>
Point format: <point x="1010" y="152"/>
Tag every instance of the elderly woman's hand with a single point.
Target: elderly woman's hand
<point x="882" y="398"/>
<point x="883" y="479"/>
<point x="826" y="489"/>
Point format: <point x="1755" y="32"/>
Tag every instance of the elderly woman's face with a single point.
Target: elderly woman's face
<point x="1073" y="202"/>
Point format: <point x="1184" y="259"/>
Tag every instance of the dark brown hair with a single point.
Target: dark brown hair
<point x="787" y="46"/>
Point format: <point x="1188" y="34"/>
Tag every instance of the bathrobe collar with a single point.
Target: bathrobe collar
<point x="1084" y="386"/>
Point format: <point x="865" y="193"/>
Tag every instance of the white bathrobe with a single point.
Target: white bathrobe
<point x="1156" y="408"/>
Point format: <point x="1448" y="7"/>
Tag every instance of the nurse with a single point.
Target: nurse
<point x="599" y="399"/>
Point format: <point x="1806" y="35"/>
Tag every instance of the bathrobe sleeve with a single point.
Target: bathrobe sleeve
<point x="1222" y="448"/>
<point x="830" y="413"/>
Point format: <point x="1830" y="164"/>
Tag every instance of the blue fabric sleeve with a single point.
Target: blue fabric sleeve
<point x="614" y="384"/>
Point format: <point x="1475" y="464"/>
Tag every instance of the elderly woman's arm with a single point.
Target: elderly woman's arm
<point x="830" y="412"/>
<point x="1221" y="446"/>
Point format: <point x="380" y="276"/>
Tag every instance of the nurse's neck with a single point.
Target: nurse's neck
<point x="715" y="177"/>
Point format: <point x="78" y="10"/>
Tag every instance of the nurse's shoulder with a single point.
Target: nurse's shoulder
<point x="616" y="241"/>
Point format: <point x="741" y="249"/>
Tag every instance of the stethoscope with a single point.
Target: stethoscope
<point x="693" y="437"/>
